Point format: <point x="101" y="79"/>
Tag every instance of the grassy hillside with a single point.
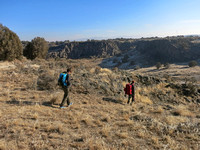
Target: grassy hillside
<point x="164" y="116"/>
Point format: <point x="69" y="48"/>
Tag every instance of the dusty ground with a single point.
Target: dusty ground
<point x="95" y="121"/>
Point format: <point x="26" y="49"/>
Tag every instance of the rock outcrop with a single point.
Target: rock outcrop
<point x="170" y="49"/>
<point x="167" y="50"/>
<point x="87" y="49"/>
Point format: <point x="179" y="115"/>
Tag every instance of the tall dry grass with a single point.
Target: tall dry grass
<point x="91" y="122"/>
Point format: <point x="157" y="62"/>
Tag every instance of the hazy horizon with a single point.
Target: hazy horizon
<point x="105" y="19"/>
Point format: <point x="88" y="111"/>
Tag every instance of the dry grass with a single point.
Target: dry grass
<point x="141" y="134"/>
<point x="2" y="145"/>
<point x="141" y="98"/>
<point x="122" y="135"/>
<point x="30" y="118"/>
<point x="174" y="120"/>
<point x="182" y="110"/>
<point x="105" y="131"/>
<point x="54" y="99"/>
<point x="157" y="110"/>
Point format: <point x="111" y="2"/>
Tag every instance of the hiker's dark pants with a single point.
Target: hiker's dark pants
<point x="131" y="97"/>
<point x="66" y="96"/>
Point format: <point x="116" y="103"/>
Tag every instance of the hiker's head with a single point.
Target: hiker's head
<point x="133" y="81"/>
<point x="69" y="70"/>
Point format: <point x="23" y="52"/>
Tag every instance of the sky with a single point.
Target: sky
<point x="59" y="20"/>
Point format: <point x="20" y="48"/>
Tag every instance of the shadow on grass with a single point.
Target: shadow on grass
<point x="156" y="70"/>
<point x="30" y="103"/>
<point x="112" y="100"/>
<point x="185" y="67"/>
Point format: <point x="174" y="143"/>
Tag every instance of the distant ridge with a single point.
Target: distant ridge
<point x="155" y="49"/>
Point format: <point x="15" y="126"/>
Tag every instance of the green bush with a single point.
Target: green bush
<point x="37" y="48"/>
<point x="10" y="44"/>
<point x="192" y="63"/>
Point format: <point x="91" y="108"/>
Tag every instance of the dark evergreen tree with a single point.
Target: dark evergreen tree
<point x="158" y="65"/>
<point x="10" y="45"/>
<point x="37" y="48"/>
<point x="192" y="63"/>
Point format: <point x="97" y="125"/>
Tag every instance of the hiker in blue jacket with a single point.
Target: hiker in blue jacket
<point x="64" y="82"/>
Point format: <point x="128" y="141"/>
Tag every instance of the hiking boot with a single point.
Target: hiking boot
<point x="70" y="104"/>
<point x="62" y="107"/>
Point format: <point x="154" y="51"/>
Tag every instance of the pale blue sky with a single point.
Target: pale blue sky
<point x="100" y="19"/>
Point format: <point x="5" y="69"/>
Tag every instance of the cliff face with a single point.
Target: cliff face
<point x="176" y="49"/>
<point x="164" y="50"/>
<point x="77" y="50"/>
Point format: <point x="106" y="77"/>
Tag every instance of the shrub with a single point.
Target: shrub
<point x="37" y="48"/>
<point x="158" y="65"/>
<point x="97" y="69"/>
<point x="118" y="64"/>
<point x="115" y="69"/>
<point x="125" y="59"/>
<point x="47" y="80"/>
<point x="115" y="60"/>
<point x="118" y="55"/>
<point x="10" y="44"/>
<point x="132" y="63"/>
<point x="166" y="65"/>
<point x="192" y="63"/>
<point x="137" y="67"/>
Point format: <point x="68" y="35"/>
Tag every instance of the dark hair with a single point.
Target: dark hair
<point x="69" y="70"/>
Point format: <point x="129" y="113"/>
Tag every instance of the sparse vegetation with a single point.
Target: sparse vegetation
<point x="99" y="118"/>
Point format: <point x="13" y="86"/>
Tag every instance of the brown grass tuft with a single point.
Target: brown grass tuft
<point x="2" y="145"/>
<point x="55" y="128"/>
<point x="104" y="132"/>
<point x="141" y="134"/>
<point x="88" y="121"/>
<point x="141" y="98"/>
<point x="34" y="116"/>
<point x="155" y="140"/>
<point x="54" y="99"/>
<point x="157" y="110"/>
<point x="95" y="145"/>
<point x="122" y="135"/>
<point x="174" y="120"/>
<point x="182" y="110"/>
